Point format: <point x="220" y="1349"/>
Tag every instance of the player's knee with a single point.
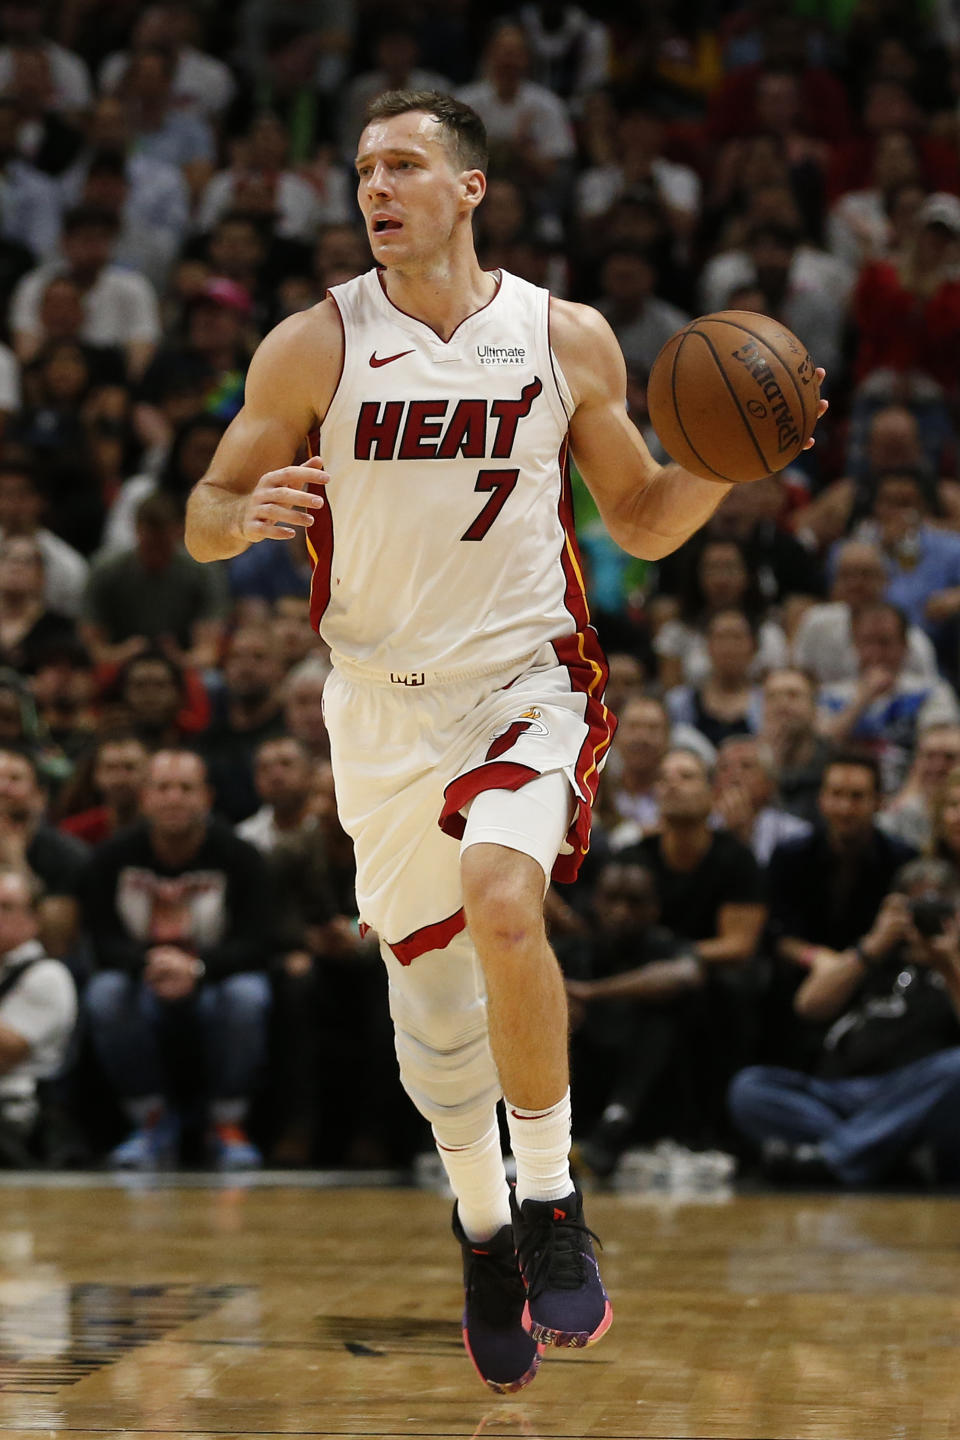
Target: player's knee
<point x="503" y="898"/>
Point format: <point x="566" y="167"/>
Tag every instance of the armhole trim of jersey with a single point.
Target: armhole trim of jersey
<point x="343" y="360"/>
<point x="555" y="370"/>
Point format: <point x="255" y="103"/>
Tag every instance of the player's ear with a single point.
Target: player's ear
<point x="474" y="184"/>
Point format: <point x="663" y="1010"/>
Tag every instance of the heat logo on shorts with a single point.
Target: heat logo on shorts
<point x="530" y="722"/>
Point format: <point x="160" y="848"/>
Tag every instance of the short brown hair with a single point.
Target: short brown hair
<point x="464" y="131"/>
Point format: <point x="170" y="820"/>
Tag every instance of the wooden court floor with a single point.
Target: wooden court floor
<point x="289" y="1310"/>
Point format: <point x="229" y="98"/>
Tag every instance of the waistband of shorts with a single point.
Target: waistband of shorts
<point x="415" y="679"/>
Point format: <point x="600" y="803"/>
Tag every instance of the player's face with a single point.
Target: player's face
<point x="408" y="188"/>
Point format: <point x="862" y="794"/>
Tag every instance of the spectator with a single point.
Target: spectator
<point x="295" y="637"/>
<point x="753" y="516"/>
<point x="823" y="642"/>
<point x="284" y="781"/>
<point x="38" y="1010"/>
<point x="745" y="785"/>
<point x="161" y="129"/>
<point x="641" y="321"/>
<point x="46" y="138"/>
<point x="627" y="797"/>
<point x="627" y="982"/>
<point x="720" y="579"/>
<point x="32" y="205"/>
<point x="884" y="707"/>
<point x="887" y="1077"/>
<point x="726" y="701"/>
<point x="67" y="698"/>
<point x="188" y="457"/>
<point x="789" y="731"/>
<point x="200" y="81"/>
<point x="569" y="49"/>
<point x="117" y="770"/>
<point x="152" y="697"/>
<point x="710" y="893"/>
<point x="28" y="627"/>
<point x="396" y="54"/>
<point x="530" y="136"/>
<point x="177" y="909"/>
<point x="155" y="201"/>
<point x="272" y="570"/>
<point x="119" y="306"/>
<point x="23" y="24"/>
<point x="34" y="847"/>
<point x="260" y="182"/>
<point x="154" y="592"/>
<point x="636" y="161"/>
<point x="303" y="706"/>
<point x="909" y="814"/>
<point x="907" y="307"/>
<point x="215" y="349"/>
<point x="861" y="223"/>
<point x="249" y="711"/>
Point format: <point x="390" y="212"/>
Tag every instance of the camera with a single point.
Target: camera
<point x="929" y="913"/>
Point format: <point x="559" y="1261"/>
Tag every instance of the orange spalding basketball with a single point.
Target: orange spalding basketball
<point x="733" y="396"/>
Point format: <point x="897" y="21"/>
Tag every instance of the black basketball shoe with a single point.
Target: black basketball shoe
<point x="505" y="1356"/>
<point x="566" y="1301"/>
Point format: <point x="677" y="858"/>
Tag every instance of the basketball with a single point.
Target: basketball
<point x="733" y="396"/>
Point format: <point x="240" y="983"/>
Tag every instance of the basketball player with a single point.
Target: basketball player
<point x="465" y="708"/>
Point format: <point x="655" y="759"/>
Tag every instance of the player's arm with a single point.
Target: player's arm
<point x="649" y="509"/>
<point x="253" y="490"/>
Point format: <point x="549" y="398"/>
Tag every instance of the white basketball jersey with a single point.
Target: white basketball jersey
<point x="446" y="544"/>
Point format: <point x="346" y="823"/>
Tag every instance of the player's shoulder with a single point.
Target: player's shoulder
<point x="586" y="349"/>
<point x="308" y="343"/>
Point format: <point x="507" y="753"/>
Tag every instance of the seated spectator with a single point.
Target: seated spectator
<point x="863" y="224"/>
<point x="189" y="456"/>
<point x="569" y="49"/>
<point x="28" y="627"/>
<point x="303" y="706"/>
<point x="116" y="769"/>
<point x="35" y="847"/>
<point x="284" y="779"/>
<point x="25" y="24"/>
<point x="720" y="580"/>
<point x="22" y="728"/>
<point x="710" y="892"/>
<point x="887" y="1077"/>
<point x="530" y="136"/>
<point x="38" y="1011"/>
<point x="753" y="517"/>
<point x="152" y="698"/>
<point x="248" y="710"/>
<point x="884" y="707"/>
<point x="48" y="139"/>
<point x="119" y="306"/>
<point x="67" y="697"/>
<point x="331" y="1001"/>
<point x="32" y="205"/>
<point x="909" y="814"/>
<point x="178" y="913"/>
<point x="162" y="129"/>
<point x="906" y="307"/>
<point x="201" y="82"/>
<point x="396" y="56"/>
<point x="745" y="791"/>
<point x="637" y="161"/>
<point x="627" y="795"/>
<point x="726" y="701"/>
<point x="294" y="636"/>
<point x="215" y="350"/>
<point x="641" y="321"/>
<point x="155" y="592"/>
<point x="789" y="732"/>
<point x="260" y="182"/>
<point x="823" y="642"/>
<point x="627" y="983"/>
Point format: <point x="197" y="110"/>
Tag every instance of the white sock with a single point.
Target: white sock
<point x="478" y="1180"/>
<point x="540" y="1140"/>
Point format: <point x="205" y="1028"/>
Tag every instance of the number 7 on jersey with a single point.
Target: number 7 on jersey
<point x="501" y="483"/>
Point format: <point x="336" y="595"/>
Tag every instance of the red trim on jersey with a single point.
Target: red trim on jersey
<point x="491" y="775"/>
<point x="553" y="366"/>
<point x="419" y="321"/>
<point x="429" y="937"/>
<point x="320" y="549"/>
<point x="587" y="667"/>
<point x="343" y="350"/>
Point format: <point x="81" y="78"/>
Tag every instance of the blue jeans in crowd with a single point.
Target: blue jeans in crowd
<point x="863" y="1125"/>
<point x="215" y="1039"/>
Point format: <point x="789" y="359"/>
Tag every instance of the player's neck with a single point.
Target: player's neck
<point x="442" y="294"/>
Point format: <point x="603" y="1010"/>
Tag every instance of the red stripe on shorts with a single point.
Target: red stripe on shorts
<point x="429" y="937"/>
<point x="492" y="775"/>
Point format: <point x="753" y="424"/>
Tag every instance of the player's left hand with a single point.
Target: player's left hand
<point x="822" y="408"/>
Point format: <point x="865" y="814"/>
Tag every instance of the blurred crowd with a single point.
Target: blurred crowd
<point x="763" y="950"/>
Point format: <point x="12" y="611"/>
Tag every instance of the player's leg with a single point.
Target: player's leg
<point x="510" y="842"/>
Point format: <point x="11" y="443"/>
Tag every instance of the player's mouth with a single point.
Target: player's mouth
<point x="384" y="224"/>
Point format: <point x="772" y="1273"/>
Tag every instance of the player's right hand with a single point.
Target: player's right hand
<point x="280" y="502"/>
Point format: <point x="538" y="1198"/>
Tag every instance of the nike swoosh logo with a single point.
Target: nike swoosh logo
<point x="387" y="359"/>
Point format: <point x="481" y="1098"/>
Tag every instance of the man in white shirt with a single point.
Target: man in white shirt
<point x="22" y="23"/>
<point x="38" y="1010"/>
<point x="283" y="777"/>
<point x="120" y="306"/>
<point x="200" y="81"/>
<point x="21" y="506"/>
